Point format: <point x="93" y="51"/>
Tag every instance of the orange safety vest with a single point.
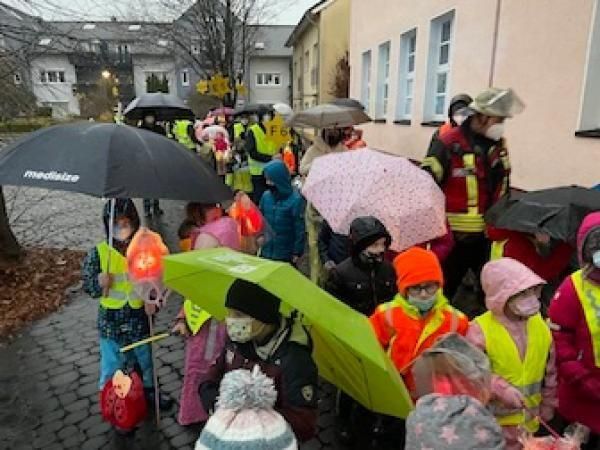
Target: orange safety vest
<point x="289" y="160"/>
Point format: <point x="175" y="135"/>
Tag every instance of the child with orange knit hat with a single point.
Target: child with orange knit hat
<point x="413" y="321"/>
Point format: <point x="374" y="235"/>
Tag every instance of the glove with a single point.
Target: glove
<point x="512" y="398"/>
<point x="546" y="413"/>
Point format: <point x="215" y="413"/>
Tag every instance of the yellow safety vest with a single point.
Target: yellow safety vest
<point x="180" y="130"/>
<point x="238" y="129"/>
<point x="240" y="180"/>
<point x="589" y="297"/>
<point x="471" y="221"/>
<point x="497" y="250"/>
<point x="263" y="146"/>
<point x="121" y="292"/>
<point x="195" y="316"/>
<point x="526" y="375"/>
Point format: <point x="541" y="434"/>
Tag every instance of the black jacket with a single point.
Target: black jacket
<point x="363" y="287"/>
<point x="333" y="246"/>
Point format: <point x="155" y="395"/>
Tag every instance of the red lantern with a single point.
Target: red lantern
<point x="122" y="401"/>
<point x="247" y="215"/>
<point x="144" y="256"/>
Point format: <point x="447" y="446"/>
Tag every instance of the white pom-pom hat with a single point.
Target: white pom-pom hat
<point x="244" y="418"/>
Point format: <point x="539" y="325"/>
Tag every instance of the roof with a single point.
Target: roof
<point x="304" y="23"/>
<point x="273" y="37"/>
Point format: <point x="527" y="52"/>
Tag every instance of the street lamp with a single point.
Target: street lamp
<point x="105" y="74"/>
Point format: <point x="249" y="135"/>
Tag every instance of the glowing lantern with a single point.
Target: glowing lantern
<point x="144" y="256"/>
<point x="247" y="215"/>
<point x="122" y="401"/>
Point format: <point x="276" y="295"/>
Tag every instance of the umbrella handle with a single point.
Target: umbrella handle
<point x="111" y="230"/>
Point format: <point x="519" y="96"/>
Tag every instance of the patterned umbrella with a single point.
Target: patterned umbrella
<point x="344" y="186"/>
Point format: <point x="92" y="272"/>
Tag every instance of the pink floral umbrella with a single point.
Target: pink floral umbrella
<point x="344" y="186"/>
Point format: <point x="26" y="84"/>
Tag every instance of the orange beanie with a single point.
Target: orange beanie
<point x="415" y="266"/>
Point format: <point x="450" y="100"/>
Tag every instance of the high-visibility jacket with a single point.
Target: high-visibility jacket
<point x="464" y="176"/>
<point x="497" y="250"/>
<point x="121" y="292"/>
<point x="527" y="375"/>
<point x="195" y="316"/>
<point x="405" y="334"/>
<point x="589" y="297"/>
<point x="180" y="130"/>
<point x="263" y="146"/>
<point x="238" y="130"/>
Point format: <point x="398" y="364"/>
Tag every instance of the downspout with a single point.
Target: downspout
<point x="495" y="42"/>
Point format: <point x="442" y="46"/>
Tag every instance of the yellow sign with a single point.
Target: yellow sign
<point x="277" y="131"/>
<point x="202" y="87"/>
<point x="219" y="85"/>
<point x="241" y="89"/>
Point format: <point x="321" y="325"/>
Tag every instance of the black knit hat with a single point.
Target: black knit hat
<point x="253" y="300"/>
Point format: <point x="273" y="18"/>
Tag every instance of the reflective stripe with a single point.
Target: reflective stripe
<point x="531" y="389"/>
<point x="195" y="316"/>
<point x="471" y="221"/>
<point x="466" y="222"/>
<point x="120" y="277"/>
<point x="471" y="183"/>
<point x="589" y="297"/>
<point x="118" y="295"/>
<point x="436" y="168"/>
<point x="497" y="250"/>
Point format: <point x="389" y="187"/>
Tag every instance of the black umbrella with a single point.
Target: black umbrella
<point x="111" y="161"/>
<point x="348" y="103"/>
<point x="557" y="212"/>
<point x="163" y="106"/>
<point x="253" y="108"/>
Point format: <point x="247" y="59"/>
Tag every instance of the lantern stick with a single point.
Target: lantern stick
<point x="154" y="374"/>
<point x="158" y="337"/>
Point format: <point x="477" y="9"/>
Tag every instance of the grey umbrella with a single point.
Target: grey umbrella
<point x="349" y="102"/>
<point x="163" y="106"/>
<point x="328" y="116"/>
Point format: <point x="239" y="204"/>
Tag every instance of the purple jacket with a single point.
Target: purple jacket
<point x="579" y="378"/>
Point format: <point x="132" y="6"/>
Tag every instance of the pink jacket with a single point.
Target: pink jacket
<point x="579" y="378"/>
<point x="501" y="279"/>
<point x="224" y="230"/>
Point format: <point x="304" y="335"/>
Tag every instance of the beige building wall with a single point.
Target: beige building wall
<point x="542" y="52"/>
<point x="334" y="44"/>
<point x="306" y="93"/>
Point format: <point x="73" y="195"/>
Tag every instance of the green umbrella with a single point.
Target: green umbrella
<point x="345" y="347"/>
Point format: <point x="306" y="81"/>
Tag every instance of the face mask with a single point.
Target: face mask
<point x="271" y="187"/>
<point x="525" y="306"/>
<point x="596" y="259"/>
<point x="459" y="119"/>
<point x="240" y="329"/>
<point x="495" y="132"/>
<point x="267" y="118"/>
<point x="122" y="234"/>
<point x="422" y="305"/>
<point x="371" y="259"/>
<point x="244" y="122"/>
<point x="254" y="118"/>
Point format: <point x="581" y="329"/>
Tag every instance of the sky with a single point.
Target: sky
<point x="289" y="14"/>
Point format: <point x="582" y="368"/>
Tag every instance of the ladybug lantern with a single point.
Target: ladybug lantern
<point x="122" y="400"/>
<point x="247" y="215"/>
<point x="144" y="264"/>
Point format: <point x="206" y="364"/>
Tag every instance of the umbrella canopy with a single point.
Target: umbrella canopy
<point x="346" y="350"/>
<point x="348" y="102"/>
<point x="163" y="106"/>
<point x="344" y="186"/>
<point x="252" y="108"/>
<point x="557" y="212"/>
<point x="222" y="111"/>
<point x="111" y="161"/>
<point x="329" y="116"/>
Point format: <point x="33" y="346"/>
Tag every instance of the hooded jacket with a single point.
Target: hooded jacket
<point x="332" y="246"/>
<point x="360" y="285"/>
<point x="283" y="208"/>
<point x="288" y="363"/>
<point x="579" y="377"/>
<point x="457" y="422"/>
<point x="501" y="279"/>
<point x="318" y="148"/>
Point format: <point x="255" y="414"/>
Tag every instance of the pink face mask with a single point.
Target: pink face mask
<point x="525" y="306"/>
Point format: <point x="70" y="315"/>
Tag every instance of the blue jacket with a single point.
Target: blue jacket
<point x="283" y="208"/>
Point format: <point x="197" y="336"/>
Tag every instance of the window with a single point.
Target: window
<point x="89" y="26"/>
<point x="52" y="76"/>
<point x="383" y="80"/>
<point x="134" y="27"/>
<point x="45" y="41"/>
<point x="306" y="61"/>
<point x="124" y="52"/>
<point x="157" y="81"/>
<point x="365" y="90"/>
<point x="314" y="71"/>
<point x="590" y="108"/>
<point x="17" y="78"/>
<point x="438" y="80"/>
<point x="195" y="49"/>
<point x="185" y="77"/>
<point x="163" y="42"/>
<point x="406" y="79"/>
<point x="268" y="79"/>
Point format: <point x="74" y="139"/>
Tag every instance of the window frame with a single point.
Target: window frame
<point x="263" y="77"/>
<point x="45" y="77"/>
<point x="17" y="78"/>
<point x="383" y="80"/>
<point x="405" y="75"/>
<point x="365" y="82"/>
<point x="185" y="77"/>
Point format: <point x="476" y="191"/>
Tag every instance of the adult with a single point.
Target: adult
<point x="470" y="163"/>
<point x="259" y="151"/>
<point x="457" y="114"/>
<point x="184" y="133"/>
<point x="330" y="141"/>
<point x="281" y="347"/>
<point x="333" y="249"/>
<point x="152" y="206"/>
<point x="283" y="208"/>
<point x="574" y="314"/>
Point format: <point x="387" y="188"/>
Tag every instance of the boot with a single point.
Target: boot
<point x="164" y="402"/>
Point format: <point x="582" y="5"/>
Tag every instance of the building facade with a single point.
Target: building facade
<point x="407" y="65"/>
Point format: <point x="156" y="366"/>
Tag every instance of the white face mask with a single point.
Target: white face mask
<point x="239" y="329"/>
<point x="423" y="305"/>
<point x="122" y="234"/>
<point x="525" y="306"/>
<point x="267" y="118"/>
<point x="596" y="259"/>
<point x="495" y="132"/>
<point x="244" y="121"/>
<point x="459" y="119"/>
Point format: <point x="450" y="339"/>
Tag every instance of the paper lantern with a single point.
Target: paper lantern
<point x="122" y="401"/>
<point x="247" y="215"/>
<point x="144" y="256"/>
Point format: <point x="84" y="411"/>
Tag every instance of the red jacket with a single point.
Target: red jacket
<point x="520" y="247"/>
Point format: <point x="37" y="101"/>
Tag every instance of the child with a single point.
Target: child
<point x="122" y="317"/>
<point x="519" y="345"/>
<point x="222" y="153"/>
<point x="205" y="336"/>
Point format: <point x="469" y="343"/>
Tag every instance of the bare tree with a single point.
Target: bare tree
<point x="340" y="85"/>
